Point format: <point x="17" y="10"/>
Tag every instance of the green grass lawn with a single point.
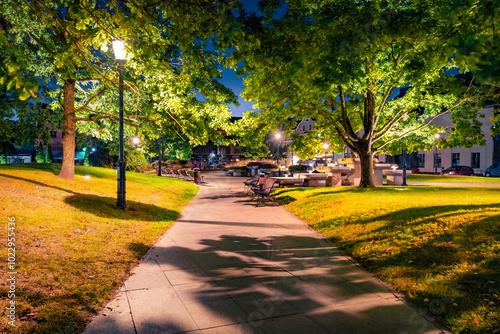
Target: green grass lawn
<point x="451" y="178"/>
<point x="73" y="248"/>
<point x="438" y="245"/>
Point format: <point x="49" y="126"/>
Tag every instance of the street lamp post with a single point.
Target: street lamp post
<point x="120" y="56"/>
<point x="404" y="168"/>
<point x="159" y="156"/>
<point x="325" y="147"/>
<point x="436" y="136"/>
<point x="278" y="136"/>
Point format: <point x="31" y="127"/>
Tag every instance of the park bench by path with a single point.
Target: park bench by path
<point x="251" y="183"/>
<point x="267" y="191"/>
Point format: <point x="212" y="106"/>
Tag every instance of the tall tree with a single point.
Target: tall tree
<point x="66" y="44"/>
<point x="341" y="63"/>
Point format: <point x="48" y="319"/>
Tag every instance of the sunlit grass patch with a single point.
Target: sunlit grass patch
<point x="73" y="248"/>
<point x="439" y="245"/>
<point x="451" y="178"/>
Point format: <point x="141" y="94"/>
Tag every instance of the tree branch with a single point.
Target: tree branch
<point x="426" y="123"/>
<point x="344" y="119"/>
<point x="101" y="91"/>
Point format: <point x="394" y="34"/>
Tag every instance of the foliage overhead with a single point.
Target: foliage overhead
<point x="171" y="76"/>
<point x="342" y="63"/>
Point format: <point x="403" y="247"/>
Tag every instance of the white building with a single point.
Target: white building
<point x="304" y="126"/>
<point x="477" y="157"/>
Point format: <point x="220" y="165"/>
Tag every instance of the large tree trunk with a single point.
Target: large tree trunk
<point x="69" y="131"/>
<point x="366" y="159"/>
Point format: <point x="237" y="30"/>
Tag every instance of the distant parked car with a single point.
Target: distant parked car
<point x="458" y="170"/>
<point x="493" y="170"/>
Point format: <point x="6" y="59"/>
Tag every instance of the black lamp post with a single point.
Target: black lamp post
<point x="159" y="156"/>
<point x="120" y="56"/>
<point x="437" y="136"/>
<point x="278" y="136"/>
<point x="404" y="168"/>
<point x="325" y="147"/>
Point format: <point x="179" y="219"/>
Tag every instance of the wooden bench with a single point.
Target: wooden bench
<point x="267" y="191"/>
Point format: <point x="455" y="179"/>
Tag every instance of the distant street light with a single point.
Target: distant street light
<point x="436" y="136"/>
<point x="136" y="140"/>
<point x="120" y="56"/>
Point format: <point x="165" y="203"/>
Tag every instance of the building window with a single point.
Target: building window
<point x="303" y="128"/>
<point x="437" y="160"/>
<point x="455" y="159"/>
<point x="53" y="134"/>
<point x="421" y="160"/>
<point x="474" y="160"/>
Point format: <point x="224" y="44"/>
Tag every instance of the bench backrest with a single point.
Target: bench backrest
<point x="268" y="185"/>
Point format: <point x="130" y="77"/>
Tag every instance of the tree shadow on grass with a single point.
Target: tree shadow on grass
<point x="50" y="168"/>
<point x="106" y="207"/>
<point x="284" y="200"/>
<point x="457" y="261"/>
<point x="464" y="267"/>
<point x="138" y="248"/>
<point x="37" y="183"/>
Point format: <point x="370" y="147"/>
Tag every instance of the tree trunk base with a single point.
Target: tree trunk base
<point x="67" y="173"/>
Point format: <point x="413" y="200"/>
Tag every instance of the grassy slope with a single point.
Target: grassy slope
<point x="73" y="247"/>
<point x="440" y="246"/>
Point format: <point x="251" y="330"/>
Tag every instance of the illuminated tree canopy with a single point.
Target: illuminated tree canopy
<point x="171" y="75"/>
<point x="342" y="62"/>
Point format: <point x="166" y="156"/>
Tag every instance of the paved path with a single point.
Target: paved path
<point x="229" y="267"/>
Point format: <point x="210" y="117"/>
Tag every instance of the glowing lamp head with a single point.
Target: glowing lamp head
<point x="437" y="135"/>
<point x="136" y="140"/>
<point x="120" y="50"/>
<point x="278" y="136"/>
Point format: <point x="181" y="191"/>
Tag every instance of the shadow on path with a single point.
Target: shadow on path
<point x="286" y="284"/>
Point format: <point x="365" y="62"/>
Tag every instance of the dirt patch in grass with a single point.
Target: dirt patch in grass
<point x="440" y="246"/>
<point x="73" y="248"/>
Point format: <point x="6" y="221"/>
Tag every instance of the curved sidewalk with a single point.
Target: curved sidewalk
<point x="227" y="266"/>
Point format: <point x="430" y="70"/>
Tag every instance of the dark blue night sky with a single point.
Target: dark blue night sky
<point x="229" y="78"/>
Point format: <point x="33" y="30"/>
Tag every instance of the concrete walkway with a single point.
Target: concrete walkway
<point x="229" y="267"/>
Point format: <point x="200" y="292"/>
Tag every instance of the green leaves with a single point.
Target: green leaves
<point x="342" y="63"/>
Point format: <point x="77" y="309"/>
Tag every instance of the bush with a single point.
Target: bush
<point x="297" y="168"/>
<point x="3" y="159"/>
<point x="86" y="161"/>
<point x="101" y="157"/>
<point x="39" y="154"/>
<point x="48" y="154"/>
<point x="136" y="161"/>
